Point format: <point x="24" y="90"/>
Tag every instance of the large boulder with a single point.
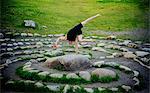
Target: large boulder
<point x="101" y="72"/>
<point x="69" y="62"/>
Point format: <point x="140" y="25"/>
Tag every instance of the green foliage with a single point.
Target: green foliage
<point x="105" y="79"/>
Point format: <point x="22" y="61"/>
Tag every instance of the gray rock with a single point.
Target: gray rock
<point x="10" y="45"/>
<point x="98" y="49"/>
<point x="30" y="34"/>
<point x="114" y="89"/>
<point x="101" y="44"/>
<point x="55" y="88"/>
<point x="9" y="49"/>
<point x="40" y="59"/>
<point x="72" y="75"/>
<point x="44" y="73"/>
<point x="146" y="49"/>
<point x="24" y="34"/>
<point x="15" y="44"/>
<point x="1" y="35"/>
<point x="126" y="88"/>
<point x="56" y="75"/>
<point x="101" y="72"/>
<point x="29" y="23"/>
<point x="69" y="62"/>
<point x="89" y="90"/>
<point x="99" y="63"/>
<point x="36" y="34"/>
<point x="126" y="42"/>
<point x="39" y="84"/>
<point x="136" y="73"/>
<point x="85" y="75"/>
<point x="141" y="53"/>
<point x="101" y="89"/>
<point x="20" y="43"/>
<point x="66" y="88"/>
<point x="129" y="55"/>
<point x="125" y="68"/>
<point x="124" y="49"/>
<point x="117" y="54"/>
<point x="137" y="82"/>
<point x="50" y="35"/>
<point x="13" y="40"/>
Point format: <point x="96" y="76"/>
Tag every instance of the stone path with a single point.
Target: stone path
<point x="20" y="48"/>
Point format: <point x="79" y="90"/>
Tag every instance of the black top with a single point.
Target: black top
<point x="74" y="32"/>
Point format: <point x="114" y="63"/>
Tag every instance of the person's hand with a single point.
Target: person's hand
<point x="55" y="46"/>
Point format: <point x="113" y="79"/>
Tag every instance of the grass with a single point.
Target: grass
<point x="61" y="15"/>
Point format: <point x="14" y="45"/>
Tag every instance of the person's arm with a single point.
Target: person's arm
<point x="91" y="18"/>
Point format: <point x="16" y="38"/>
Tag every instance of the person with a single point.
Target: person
<point x="74" y="35"/>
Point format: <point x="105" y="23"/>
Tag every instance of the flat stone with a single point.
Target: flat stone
<point x="89" y="90"/>
<point x="44" y="73"/>
<point x="36" y="34"/>
<point x="98" y="49"/>
<point x="24" y="34"/>
<point x="136" y="73"/>
<point x="41" y="59"/>
<point x="101" y="72"/>
<point x="72" y="75"/>
<point x="125" y="68"/>
<point x="1" y="35"/>
<point x="126" y="88"/>
<point x="99" y="63"/>
<point x="29" y="23"/>
<point x="15" y="44"/>
<point x="117" y="54"/>
<point x="101" y="89"/>
<point x="112" y="64"/>
<point x="55" y="88"/>
<point x="101" y="44"/>
<point x="114" y="89"/>
<point x="20" y="43"/>
<point x="137" y="82"/>
<point x="126" y="42"/>
<point x="129" y="55"/>
<point x="56" y="75"/>
<point x="109" y="57"/>
<point x="9" y="49"/>
<point x="85" y="75"/>
<point x="124" y="49"/>
<point x="30" y="34"/>
<point x="66" y="88"/>
<point x="141" y="53"/>
<point x="39" y="84"/>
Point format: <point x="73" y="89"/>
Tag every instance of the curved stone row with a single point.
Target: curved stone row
<point x="82" y="77"/>
<point x="120" y="67"/>
<point x="36" y="86"/>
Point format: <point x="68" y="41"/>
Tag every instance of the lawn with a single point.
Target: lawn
<point x="61" y="15"/>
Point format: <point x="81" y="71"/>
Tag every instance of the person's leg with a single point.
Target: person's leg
<point x="76" y="46"/>
<point x="58" y="40"/>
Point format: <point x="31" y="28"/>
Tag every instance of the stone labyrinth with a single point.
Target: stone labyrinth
<point x="29" y="64"/>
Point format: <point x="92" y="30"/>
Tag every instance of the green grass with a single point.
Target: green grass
<point x="61" y="15"/>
